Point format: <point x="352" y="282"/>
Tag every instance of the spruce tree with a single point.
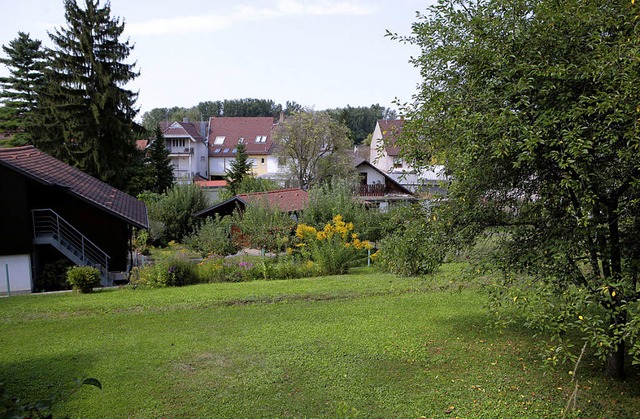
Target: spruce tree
<point x="160" y="164"/>
<point x="25" y="61"/>
<point x="239" y="169"/>
<point x="87" y="115"/>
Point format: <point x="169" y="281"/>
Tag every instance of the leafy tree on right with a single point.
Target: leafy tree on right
<point x="533" y="107"/>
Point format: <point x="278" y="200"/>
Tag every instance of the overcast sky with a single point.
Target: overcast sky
<point x="319" y="53"/>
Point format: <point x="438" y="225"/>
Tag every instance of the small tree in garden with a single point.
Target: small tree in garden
<point x="264" y="227"/>
<point x="413" y="244"/>
<point x="159" y="163"/>
<point x="174" y="211"/>
<point x="213" y="237"/>
<point x="240" y="168"/>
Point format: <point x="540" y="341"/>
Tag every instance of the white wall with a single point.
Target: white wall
<point x="372" y="176"/>
<point x="19" y="273"/>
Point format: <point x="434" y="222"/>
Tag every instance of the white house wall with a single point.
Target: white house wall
<point x="19" y="268"/>
<point x="373" y="176"/>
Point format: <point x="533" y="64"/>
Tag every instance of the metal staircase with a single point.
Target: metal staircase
<point x="51" y="228"/>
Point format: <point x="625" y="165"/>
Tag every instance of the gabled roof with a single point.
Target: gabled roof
<point x="47" y="170"/>
<point x="358" y="162"/>
<point x="391" y="130"/>
<point x="235" y="128"/>
<point x="286" y="200"/>
<point x="183" y="130"/>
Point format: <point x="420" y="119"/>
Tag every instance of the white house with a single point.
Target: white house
<point x="188" y="151"/>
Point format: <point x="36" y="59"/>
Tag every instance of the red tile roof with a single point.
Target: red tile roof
<point x="234" y="128"/>
<point x="286" y="200"/>
<point x="142" y="144"/>
<point x="47" y="170"/>
<point x="203" y="183"/>
<point x="391" y="130"/>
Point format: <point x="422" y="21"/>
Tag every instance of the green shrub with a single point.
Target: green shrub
<point x="171" y="214"/>
<point x="216" y="269"/>
<point x="53" y="276"/>
<point x="175" y="271"/>
<point x="83" y="278"/>
<point x="264" y="227"/>
<point x="213" y="237"/>
<point x="415" y="247"/>
<point x="287" y="267"/>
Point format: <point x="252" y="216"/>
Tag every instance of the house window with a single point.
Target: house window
<point x="178" y="143"/>
<point x="219" y="140"/>
<point x="261" y="139"/>
<point x="397" y="163"/>
<point x="262" y="160"/>
<point x="202" y="158"/>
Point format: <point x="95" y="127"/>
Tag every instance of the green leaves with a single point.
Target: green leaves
<point x="533" y="105"/>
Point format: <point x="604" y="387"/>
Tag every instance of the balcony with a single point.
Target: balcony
<point x="180" y="151"/>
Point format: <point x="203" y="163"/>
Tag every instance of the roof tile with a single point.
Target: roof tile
<point x="48" y="170"/>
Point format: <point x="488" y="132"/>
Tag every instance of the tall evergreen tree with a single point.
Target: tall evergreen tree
<point x="240" y="168"/>
<point x="160" y="164"/>
<point x="87" y="115"/>
<point x="25" y="61"/>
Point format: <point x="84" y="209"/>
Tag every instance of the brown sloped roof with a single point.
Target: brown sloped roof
<point x="234" y="128"/>
<point x="286" y="200"/>
<point x="391" y="130"/>
<point x="47" y="170"/>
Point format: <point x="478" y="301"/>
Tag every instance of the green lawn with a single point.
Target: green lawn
<point x="365" y="345"/>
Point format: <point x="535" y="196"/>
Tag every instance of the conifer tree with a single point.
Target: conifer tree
<point x="87" y="114"/>
<point x="25" y="61"/>
<point x="239" y="169"/>
<point x="160" y="164"/>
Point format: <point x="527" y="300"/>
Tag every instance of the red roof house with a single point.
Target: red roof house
<point x="225" y="133"/>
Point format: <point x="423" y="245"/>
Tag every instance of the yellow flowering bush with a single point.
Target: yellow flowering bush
<point x="333" y="249"/>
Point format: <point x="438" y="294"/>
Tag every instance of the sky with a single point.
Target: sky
<point x="320" y="53"/>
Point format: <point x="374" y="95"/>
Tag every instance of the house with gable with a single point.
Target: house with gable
<point x="378" y="189"/>
<point x="52" y="211"/>
<point x="385" y="156"/>
<point x="225" y="133"/>
<point x="187" y="145"/>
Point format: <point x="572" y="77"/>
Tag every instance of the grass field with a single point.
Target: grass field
<point x="360" y="345"/>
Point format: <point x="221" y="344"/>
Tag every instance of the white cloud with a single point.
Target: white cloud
<point x="211" y="22"/>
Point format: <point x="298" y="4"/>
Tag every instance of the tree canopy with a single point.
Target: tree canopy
<point x="533" y="108"/>
<point x="25" y="61"/>
<point x="239" y="169"/>
<point x="314" y="147"/>
<point x="86" y="113"/>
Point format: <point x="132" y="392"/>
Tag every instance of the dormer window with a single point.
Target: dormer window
<point x="219" y="140"/>
<point x="261" y="139"/>
<point x="241" y="141"/>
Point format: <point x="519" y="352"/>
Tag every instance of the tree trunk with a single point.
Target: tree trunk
<point x="615" y="363"/>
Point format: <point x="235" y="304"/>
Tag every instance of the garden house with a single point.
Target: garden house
<point x="51" y="211"/>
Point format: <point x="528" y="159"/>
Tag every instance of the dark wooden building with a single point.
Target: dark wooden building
<point x="50" y="209"/>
